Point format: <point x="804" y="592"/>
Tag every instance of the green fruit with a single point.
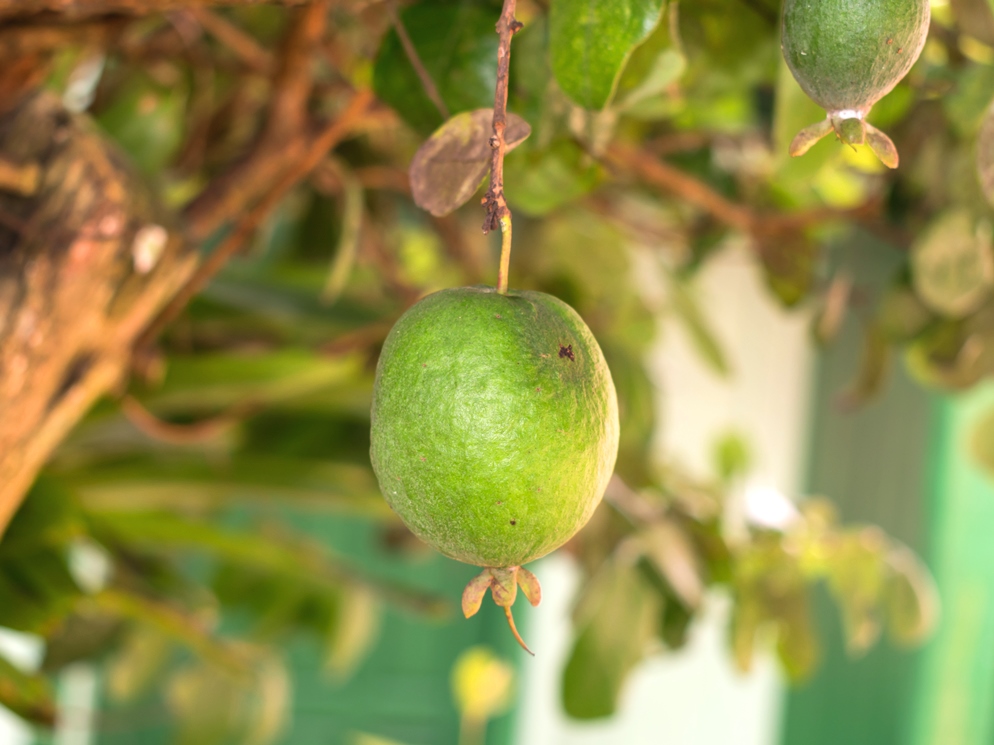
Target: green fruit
<point x="494" y="429"/>
<point x="494" y="424"/>
<point x="847" y="55"/>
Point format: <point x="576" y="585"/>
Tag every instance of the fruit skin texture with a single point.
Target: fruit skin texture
<point x="494" y="424"/>
<point x="846" y="55"/>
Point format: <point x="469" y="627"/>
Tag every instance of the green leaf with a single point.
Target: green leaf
<point x="457" y="45"/>
<point x="27" y="695"/>
<point x="874" y="366"/>
<point x="36" y="587"/>
<point x="615" y="620"/>
<point x="215" y="381"/>
<point x="147" y="120"/>
<point x="651" y="71"/>
<point x="591" y="40"/>
<point x="348" y="240"/>
<point x="671" y="553"/>
<point x="732" y="456"/>
<point x="797" y="644"/>
<point x="539" y="181"/>
<point x="291" y="557"/>
<point x="190" y="481"/>
<point x="176" y="624"/>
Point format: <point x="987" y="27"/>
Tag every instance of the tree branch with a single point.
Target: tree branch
<point x="498" y="214"/>
<point x="246" y="48"/>
<point x="315" y="152"/>
<point x="76" y="9"/>
<point x="738" y="216"/>
<point x="282" y="138"/>
<point x="76" y="288"/>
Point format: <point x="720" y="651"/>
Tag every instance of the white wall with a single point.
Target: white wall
<point x="694" y="697"/>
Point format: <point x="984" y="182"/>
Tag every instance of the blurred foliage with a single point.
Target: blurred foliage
<point x="159" y="517"/>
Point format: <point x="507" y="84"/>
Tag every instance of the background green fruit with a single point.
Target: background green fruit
<point x="847" y="54"/>
<point x="494" y="424"/>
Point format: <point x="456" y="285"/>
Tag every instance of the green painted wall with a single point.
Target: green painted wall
<point x="873" y="463"/>
<point x="401" y="691"/>
<point x="955" y="688"/>
<point x="902" y="462"/>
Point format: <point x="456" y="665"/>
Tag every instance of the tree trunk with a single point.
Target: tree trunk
<point x="87" y="259"/>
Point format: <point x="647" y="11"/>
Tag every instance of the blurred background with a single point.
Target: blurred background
<point x="796" y="548"/>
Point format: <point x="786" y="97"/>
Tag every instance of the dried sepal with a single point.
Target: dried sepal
<point x="472" y="595"/>
<point x="503" y="585"/>
<point x="529" y="585"/>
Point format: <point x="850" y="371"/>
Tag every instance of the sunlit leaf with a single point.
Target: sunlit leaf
<point x="856" y="577"/>
<point x="356" y="629"/>
<point x="591" y="41"/>
<point x="137" y="663"/>
<point x="911" y="598"/>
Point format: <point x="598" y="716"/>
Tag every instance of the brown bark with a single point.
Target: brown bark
<point x="85" y="263"/>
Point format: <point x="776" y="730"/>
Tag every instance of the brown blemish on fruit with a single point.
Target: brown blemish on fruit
<point x="422" y="458"/>
<point x="566" y="352"/>
<point x="900" y="50"/>
<point x="499" y="502"/>
<point x="890" y="41"/>
<point x="496" y="315"/>
<point x="538" y="390"/>
<point x="424" y="364"/>
<point x="514" y="522"/>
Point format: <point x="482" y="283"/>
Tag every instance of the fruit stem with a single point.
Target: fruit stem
<point x="498" y="214"/>
<point x="505" y="253"/>
<point x="514" y="630"/>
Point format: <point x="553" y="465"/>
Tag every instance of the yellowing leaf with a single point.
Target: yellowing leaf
<point x="482" y="684"/>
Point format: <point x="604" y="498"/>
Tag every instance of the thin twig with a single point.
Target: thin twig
<point x="283" y="137"/>
<point x="661" y="174"/>
<point x="76" y="9"/>
<point x="498" y="214"/>
<point x="319" y="147"/>
<point x="180" y="434"/>
<point x="243" y="44"/>
<point x="739" y="216"/>
<point x="294" y="77"/>
<point x="412" y="55"/>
